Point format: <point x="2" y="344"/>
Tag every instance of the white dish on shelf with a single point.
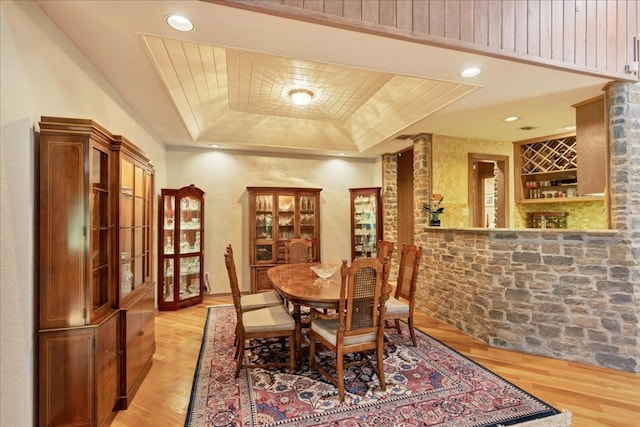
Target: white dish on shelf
<point x="324" y="271"/>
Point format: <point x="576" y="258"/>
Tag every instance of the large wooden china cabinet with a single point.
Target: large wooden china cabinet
<point x="94" y="286"/>
<point x="277" y="214"/>
<point x="366" y="221"/>
<point x="181" y="245"/>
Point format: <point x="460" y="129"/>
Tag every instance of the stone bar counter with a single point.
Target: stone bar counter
<point x="566" y="294"/>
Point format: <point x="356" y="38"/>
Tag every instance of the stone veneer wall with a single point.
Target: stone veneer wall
<point x="572" y="295"/>
<point x="561" y="294"/>
<point x="390" y="207"/>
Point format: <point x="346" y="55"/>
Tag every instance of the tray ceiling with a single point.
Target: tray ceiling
<point x="233" y="96"/>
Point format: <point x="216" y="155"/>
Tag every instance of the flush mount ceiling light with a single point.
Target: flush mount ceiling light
<point x="470" y="72"/>
<point x="511" y="119"/>
<point x="301" y="96"/>
<point x="180" y="23"/>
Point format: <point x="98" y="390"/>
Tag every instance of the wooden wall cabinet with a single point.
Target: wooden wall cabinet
<point x="94" y="202"/>
<point x="277" y="214"/>
<point x="181" y="245"/>
<point x="591" y="142"/>
<point x="366" y="221"/>
<point x="547" y="170"/>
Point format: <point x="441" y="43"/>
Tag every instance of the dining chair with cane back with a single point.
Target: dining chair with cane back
<point x="402" y="304"/>
<point x="263" y="323"/>
<point x="298" y="251"/>
<point x="357" y="327"/>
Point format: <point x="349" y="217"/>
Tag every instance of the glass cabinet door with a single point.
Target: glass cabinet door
<point x="100" y="227"/>
<point x="307" y="217"/>
<point x="167" y="227"/>
<point x="286" y="216"/>
<point x="190" y="241"/>
<point x="264" y="227"/>
<point x="135" y="225"/>
<point x="366" y="224"/>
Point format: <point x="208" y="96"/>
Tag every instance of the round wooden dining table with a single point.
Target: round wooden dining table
<point x="299" y="285"/>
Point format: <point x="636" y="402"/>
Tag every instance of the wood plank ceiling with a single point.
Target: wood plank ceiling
<point x="236" y="96"/>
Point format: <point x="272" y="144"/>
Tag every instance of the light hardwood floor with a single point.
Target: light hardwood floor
<point x="595" y="396"/>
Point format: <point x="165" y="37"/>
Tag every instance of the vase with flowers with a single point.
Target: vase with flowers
<point x="434" y="209"/>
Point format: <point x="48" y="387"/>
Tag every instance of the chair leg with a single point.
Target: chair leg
<point x="380" y="370"/>
<point x="412" y="329"/>
<point x="398" y="327"/>
<point x="292" y="352"/>
<point x="312" y="352"/>
<point x="236" y="342"/>
<point x="340" y="374"/>
<point x="240" y="352"/>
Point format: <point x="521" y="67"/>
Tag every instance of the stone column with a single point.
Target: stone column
<point x="623" y="104"/>
<point x="390" y="206"/>
<point x="422" y="154"/>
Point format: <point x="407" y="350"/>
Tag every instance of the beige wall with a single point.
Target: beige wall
<point x="587" y="215"/>
<point x="224" y="176"/>
<point x="450" y="175"/>
<point x="41" y="74"/>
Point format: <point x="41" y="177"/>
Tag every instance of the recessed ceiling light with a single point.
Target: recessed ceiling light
<point x="511" y="118"/>
<point x="470" y="72"/>
<point x="301" y="96"/>
<point x="342" y="154"/>
<point x="214" y="145"/>
<point x="180" y="23"/>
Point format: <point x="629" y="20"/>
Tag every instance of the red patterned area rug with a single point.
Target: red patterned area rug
<point x="431" y="385"/>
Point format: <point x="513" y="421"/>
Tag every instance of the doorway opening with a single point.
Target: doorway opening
<point x="405" y="198"/>
<point x="488" y="190"/>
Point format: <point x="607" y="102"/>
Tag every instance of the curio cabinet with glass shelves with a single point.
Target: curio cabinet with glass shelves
<point x="181" y="248"/>
<point x="366" y="221"/>
<point x="278" y="214"/>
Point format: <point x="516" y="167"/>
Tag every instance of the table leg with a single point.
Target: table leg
<point x="298" y="319"/>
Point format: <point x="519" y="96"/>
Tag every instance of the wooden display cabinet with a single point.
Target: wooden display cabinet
<point x="366" y="221"/>
<point x="277" y="214"/>
<point x="181" y="245"/>
<point x="89" y="216"/>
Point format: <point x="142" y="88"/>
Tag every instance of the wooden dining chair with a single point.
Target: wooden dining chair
<point x="402" y="304"/>
<point x="263" y="323"/>
<point x="249" y="302"/>
<point x="357" y="326"/>
<point x="258" y="300"/>
<point x="298" y="251"/>
<point x="384" y="249"/>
